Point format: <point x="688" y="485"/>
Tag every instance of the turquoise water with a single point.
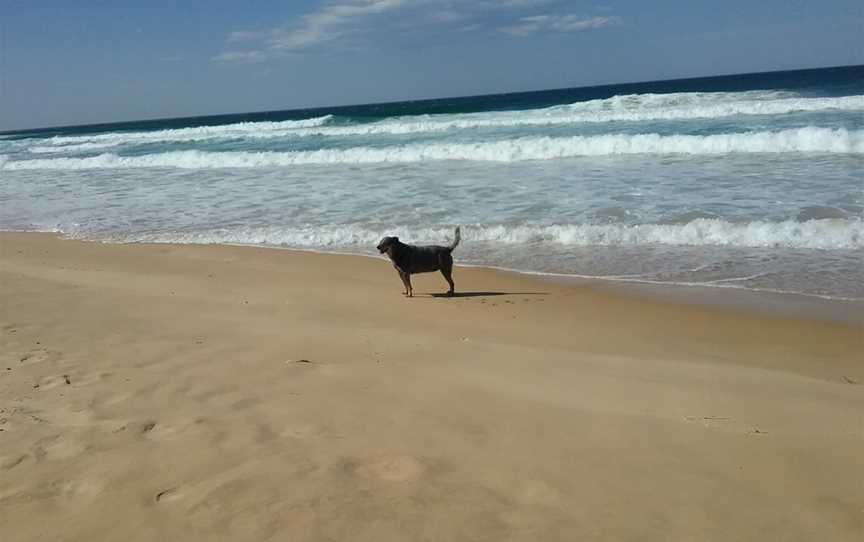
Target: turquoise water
<point x="741" y="181"/>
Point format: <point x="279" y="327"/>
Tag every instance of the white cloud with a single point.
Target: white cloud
<point x="346" y="24"/>
<point x="470" y="28"/>
<point x="328" y="24"/>
<point x="241" y="56"/>
<point x="449" y="16"/>
<point x="234" y="37"/>
<point x="527" y="26"/>
<point x="520" y="3"/>
<point x="331" y="23"/>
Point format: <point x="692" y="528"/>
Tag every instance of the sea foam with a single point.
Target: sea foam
<point x="799" y="140"/>
<point x="629" y="108"/>
<point x="812" y="234"/>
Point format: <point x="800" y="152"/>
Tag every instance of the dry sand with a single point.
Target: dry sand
<point x="180" y="393"/>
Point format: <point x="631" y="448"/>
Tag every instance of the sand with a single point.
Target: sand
<point x="224" y="393"/>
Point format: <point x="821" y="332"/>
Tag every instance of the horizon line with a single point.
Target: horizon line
<point x="106" y="124"/>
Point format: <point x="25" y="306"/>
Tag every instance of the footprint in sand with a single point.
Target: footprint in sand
<point x="54" y="381"/>
<point x="400" y="468"/>
<point x="245" y="403"/>
<point x="9" y="463"/>
<point x="79" y="489"/>
<point x="146" y="427"/>
<point x="167" y="495"/>
<point x="302" y="432"/>
<point x="83" y="417"/>
<point x="157" y="431"/>
<point x="34" y="356"/>
<point x="57" y="447"/>
<point x="113" y="399"/>
<point x="313" y="366"/>
<point x="538" y="492"/>
<point x="137" y="428"/>
<point x="710" y="421"/>
<point x="87" y="379"/>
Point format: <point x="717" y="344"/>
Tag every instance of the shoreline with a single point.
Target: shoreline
<point x="709" y="303"/>
<point x="237" y="393"/>
<point x="763" y="301"/>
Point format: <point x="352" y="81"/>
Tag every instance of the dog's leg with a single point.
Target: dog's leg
<point x="447" y="271"/>
<point x="406" y="281"/>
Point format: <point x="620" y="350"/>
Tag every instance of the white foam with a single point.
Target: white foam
<point x="813" y="234"/>
<point x="618" y="109"/>
<point x="810" y="139"/>
<point x="628" y="108"/>
<point x="226" y="131"/>
<point x="78" y="147"/>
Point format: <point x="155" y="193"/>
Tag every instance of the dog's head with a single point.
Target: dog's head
<point x="387" y="244"/>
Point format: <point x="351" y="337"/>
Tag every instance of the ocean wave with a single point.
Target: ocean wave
<point x="618" y="109"/>
<point x="78" y="147"/>
<point x="813" y="234"/>
<point x="810" y="139"/>
<point x="626" y="108"/>
<point x="225" y="131"/>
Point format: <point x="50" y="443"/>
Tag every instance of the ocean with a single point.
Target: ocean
<point x="747" y="181"/>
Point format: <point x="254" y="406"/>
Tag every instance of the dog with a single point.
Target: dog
<point x="410" y="259"/>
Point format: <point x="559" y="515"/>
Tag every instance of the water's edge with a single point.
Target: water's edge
<point x="771" y="303"/>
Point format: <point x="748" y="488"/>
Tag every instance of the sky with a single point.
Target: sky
<point x="78" y="62"/>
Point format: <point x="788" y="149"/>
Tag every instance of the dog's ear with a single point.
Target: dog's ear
<point x="395" y="239"/>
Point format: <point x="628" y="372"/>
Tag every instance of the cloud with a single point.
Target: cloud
<point x="527" y="26"/>
<point x="241" y="56"/>
<point x="520" y="3"/>
<point x="329" y="24"/>
<point x="449" y="16"/>
<point x="234" y="37"/>
<point x="339" y="25"/>
<point x="470" y="28"/>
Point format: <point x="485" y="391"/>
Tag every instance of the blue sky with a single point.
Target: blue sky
<point x="65" y="62"/>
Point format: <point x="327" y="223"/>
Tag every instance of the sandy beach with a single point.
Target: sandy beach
<point x="167" y="392"/>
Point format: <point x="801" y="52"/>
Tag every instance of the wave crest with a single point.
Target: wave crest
<point x="625" y="108"/>
<point x="813" y="234"/>
<point x="197" y="133"/>
<point x="810" y="139"/>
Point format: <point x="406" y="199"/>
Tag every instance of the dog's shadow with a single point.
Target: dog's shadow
<point x="483" y="294"/>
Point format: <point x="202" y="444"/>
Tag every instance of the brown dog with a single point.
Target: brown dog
<point x="410" y="259"/>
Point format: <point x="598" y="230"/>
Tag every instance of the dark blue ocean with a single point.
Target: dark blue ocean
<point x="745" y="181"/>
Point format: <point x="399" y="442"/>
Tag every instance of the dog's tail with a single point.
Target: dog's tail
<point x="457" y="238"/>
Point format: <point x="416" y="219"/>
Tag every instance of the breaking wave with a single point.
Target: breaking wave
<point x="813" y="234"/>
<point x="637" y="108"/>
<point x="810" y="139"/>
<point x="198" y="133"/>
<point x="627" y="108"/>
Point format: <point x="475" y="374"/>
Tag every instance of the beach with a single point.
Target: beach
<point x="210" y="392"/>
<point x="750" y="181"/>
